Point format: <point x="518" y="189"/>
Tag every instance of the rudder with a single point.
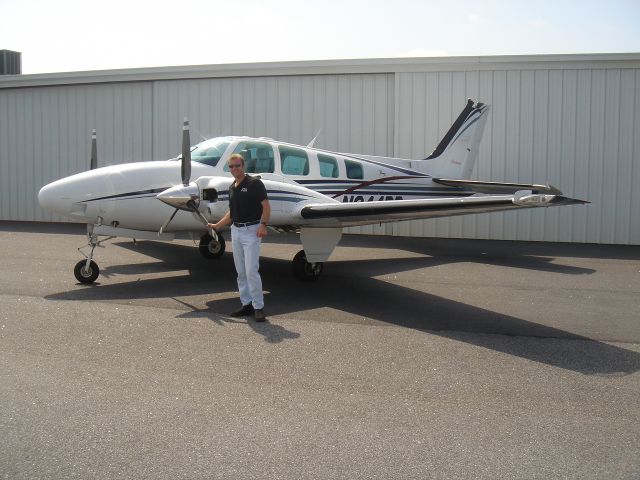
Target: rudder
<point x="455" y="155"/>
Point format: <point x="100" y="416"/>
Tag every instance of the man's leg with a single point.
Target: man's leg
<point x="237" y="237"/>
<point x="252" y="264"/>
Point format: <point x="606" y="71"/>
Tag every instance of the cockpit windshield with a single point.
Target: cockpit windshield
<point x="210" y="151"/>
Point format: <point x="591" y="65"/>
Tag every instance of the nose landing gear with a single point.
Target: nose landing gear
<point x="86" y="274"/>
<point x="87" y="271"/>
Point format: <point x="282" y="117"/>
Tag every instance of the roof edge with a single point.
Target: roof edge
<point x="327" y="67"/>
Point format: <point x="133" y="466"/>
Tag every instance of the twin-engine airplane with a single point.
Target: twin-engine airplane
<point x="311" y="191"/>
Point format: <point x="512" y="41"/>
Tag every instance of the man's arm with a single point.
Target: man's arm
<point x="266" y="215"/>
<point x="223" y="222"/>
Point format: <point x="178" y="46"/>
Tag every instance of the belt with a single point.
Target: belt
<point x="246" y="224"/>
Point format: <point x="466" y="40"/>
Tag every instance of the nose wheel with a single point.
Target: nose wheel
<point x="305" y="271"/>
<point x="87" y="271"/>
<point x="84" y="273"/>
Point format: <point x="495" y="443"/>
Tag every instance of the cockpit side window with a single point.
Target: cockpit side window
<point x="354" y="169"/>
<point x="258" y="157"/>
<point x="294" y="161"/>
<point x="210" y="152"/>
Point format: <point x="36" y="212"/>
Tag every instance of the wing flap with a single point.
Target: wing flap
<point x="497" y="188"/>
<point x="363" y="213"/>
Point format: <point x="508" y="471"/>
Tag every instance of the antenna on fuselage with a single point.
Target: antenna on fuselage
<point x="310" y="144"/>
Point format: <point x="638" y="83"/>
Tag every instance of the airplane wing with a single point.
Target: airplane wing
<point x="364" y="213"/>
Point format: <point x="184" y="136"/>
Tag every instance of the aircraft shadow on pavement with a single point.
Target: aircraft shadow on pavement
<point x="349" y="286"/>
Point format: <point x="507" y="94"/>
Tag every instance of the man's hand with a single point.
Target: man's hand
<point x="262" y="230"/>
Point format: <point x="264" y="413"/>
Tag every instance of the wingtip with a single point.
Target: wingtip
<point x="571" y="201"/>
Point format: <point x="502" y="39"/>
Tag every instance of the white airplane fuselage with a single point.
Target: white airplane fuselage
<point x="125" y="195"/>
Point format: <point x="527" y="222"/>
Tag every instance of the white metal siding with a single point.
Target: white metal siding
<point x="571" y="121"/>
<point x="45" y="134"/>
<point x="354" y="112"/>
<point x="576" y="129"/>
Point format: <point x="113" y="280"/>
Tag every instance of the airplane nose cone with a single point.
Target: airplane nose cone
<point x="180" y="195"/>
<point x="51" y="197"/>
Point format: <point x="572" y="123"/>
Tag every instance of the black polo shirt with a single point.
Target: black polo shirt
<point x="245" y="200"/>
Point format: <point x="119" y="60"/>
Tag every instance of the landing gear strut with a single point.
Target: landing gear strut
<point x="86" y="271"/>
<point x="306" y="271"/>
<point x="211" y="247"/>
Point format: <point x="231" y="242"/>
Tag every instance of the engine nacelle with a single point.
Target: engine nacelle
<point x="214" y="196"/>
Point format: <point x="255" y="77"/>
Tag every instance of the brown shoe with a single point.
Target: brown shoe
<point x="243" y="311"/>
<point x="259" y="315"/>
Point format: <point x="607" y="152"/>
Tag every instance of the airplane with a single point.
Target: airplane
<point x="312" y="191"/>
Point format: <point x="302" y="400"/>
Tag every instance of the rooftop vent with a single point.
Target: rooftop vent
<point x="10" y="62"/>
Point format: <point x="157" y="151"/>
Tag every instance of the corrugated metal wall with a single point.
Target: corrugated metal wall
<point x="354" y="112"/>
<point x="574" y="127"/>
<point x="45" y="134"/>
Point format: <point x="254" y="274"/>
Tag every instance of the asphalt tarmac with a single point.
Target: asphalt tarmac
<point x="409" y="358"/>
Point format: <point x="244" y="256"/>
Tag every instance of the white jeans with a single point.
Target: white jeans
<point x="246" y="256"/>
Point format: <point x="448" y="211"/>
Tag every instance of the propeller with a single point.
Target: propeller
<point x="93" y="164"/>
<point x="94" y="151"/>
<point x="185" y="168"/>
<point x="186" y="196"/>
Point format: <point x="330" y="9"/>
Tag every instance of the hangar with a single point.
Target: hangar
<point x="569" y="120"/>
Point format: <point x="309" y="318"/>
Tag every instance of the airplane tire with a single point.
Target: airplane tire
<point x="305" y="271"/>
<point x="86" y="275"/>
<point x="209" y="248"/>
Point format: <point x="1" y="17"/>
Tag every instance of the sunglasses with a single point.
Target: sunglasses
<point x="235" y="165"/>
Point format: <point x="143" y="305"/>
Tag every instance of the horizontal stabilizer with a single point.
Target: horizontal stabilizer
<point x="497" y="188"/>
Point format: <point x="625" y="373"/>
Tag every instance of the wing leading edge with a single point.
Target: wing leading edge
<point x="352" y="214"/>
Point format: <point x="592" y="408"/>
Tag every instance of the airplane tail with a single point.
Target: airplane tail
<point x="456" y="154"/>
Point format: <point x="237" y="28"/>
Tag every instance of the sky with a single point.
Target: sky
<point x="76" y="35"/>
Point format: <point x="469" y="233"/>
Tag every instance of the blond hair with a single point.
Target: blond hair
<point x="236" y="156"/>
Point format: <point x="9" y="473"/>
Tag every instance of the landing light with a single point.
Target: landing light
<point x="529" y="199"/>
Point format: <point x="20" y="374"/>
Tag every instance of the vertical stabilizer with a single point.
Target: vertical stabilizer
<point x="456" y="154"/>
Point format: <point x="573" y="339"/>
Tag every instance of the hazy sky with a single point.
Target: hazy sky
<point x="71" y="35"/>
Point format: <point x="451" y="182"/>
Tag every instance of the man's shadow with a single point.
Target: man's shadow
<point x="272" y="332"/>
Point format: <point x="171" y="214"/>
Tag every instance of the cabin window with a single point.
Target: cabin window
<point x="258" y="157"/>
<point x="294" y="161"/>
<point x="328" y="166"/>
<point x="354" y="169"/>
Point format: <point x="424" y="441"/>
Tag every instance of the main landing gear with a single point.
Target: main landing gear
<point x="305" y="271"/>
<point x="210" y="247"/>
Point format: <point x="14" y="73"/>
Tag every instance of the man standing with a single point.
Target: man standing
<point x="248" y="214"/>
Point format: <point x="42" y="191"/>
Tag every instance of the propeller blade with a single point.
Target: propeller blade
<point x="168" y="221"/>
<point x="94" y="150"/>
<point x="194" y="208"/>
<point x="191" y="204"/>
<point x="186" y="153"/>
